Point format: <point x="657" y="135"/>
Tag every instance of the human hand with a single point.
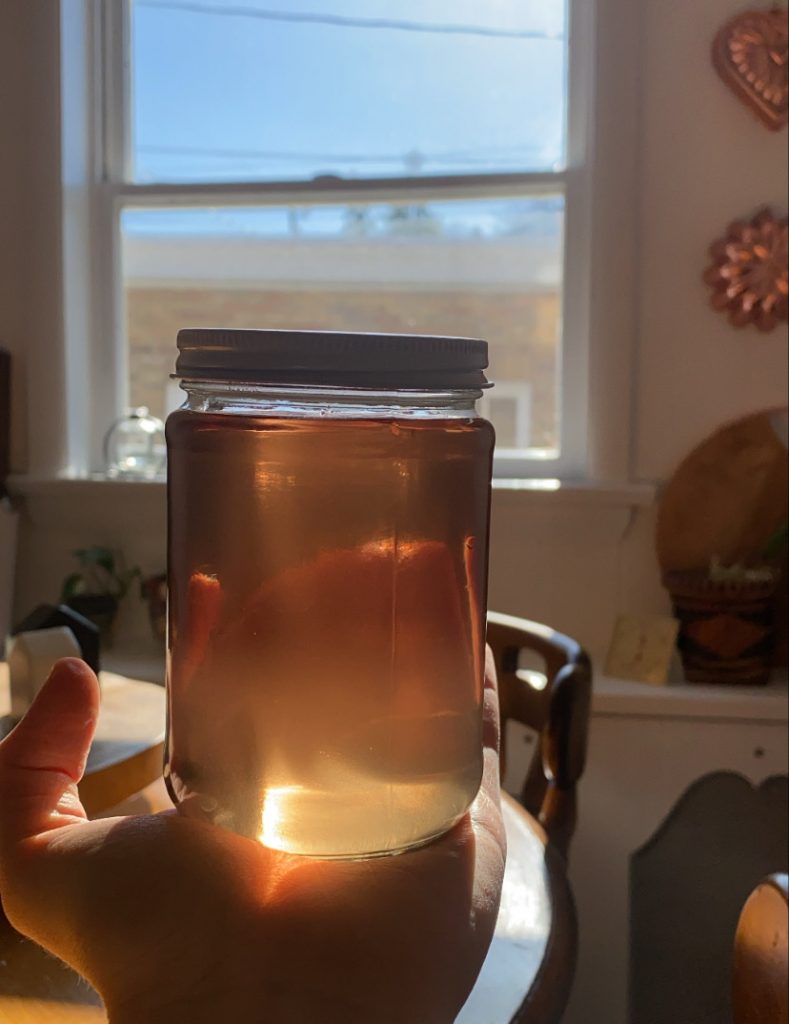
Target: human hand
<point x="175" y="920"/>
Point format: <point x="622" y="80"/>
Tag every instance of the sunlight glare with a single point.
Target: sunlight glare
<point x="274" y="816"/>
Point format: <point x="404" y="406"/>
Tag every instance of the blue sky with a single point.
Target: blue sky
<point x="220" y="95"/>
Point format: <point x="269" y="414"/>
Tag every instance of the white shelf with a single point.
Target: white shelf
<point x="609" y="697"/>
<point x="685" y="700"/>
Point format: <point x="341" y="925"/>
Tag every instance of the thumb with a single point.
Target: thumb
<point x="44" y="757"/>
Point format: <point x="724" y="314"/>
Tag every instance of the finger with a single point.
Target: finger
<point x="491" y="732"/>
<point x="486" y="809"/>
<point x="44" y="757"/>
<point x="491" y="722"/>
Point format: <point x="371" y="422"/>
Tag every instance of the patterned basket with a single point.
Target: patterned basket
<point x="727" y="627"/>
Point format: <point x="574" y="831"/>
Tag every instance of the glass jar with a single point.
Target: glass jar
<point x="328" y="506"/>
<point x="134" y="447"/>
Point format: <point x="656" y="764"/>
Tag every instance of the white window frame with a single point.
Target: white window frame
<point x="519" y="392"/>
<point x="591" y="422"/>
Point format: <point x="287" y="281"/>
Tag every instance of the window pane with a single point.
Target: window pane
<point x="229" y="90"/>
<point x="486" y="268"/>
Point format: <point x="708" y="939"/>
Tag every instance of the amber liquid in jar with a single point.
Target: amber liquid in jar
<point x="326" y="643"/>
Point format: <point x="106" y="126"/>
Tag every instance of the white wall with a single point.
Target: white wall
<point x="30" y="237"/>
<point x="705" y="161"/>
<point x="570" y="561"/>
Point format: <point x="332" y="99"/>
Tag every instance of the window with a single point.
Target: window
<point x="394" y="165"/>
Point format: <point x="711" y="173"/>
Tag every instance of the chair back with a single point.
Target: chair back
<point x="558" y="712"/>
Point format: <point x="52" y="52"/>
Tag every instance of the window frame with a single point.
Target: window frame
<point x="110" y="191"/>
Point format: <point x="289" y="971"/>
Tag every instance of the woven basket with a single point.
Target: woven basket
<point x="727" y="628"/>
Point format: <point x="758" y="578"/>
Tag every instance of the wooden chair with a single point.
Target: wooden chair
<point x="559" y="713"/>
<point x="761" y="955"/>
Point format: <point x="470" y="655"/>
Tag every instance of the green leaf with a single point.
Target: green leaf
<point x="71" y="586"/>
<point x="96" y="555"/>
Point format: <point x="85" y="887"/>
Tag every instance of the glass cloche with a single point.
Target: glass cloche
<point x="134" y="447"/>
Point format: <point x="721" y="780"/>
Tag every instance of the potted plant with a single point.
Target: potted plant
<point x="727" y="616"/>
<point x="96" y="590"/>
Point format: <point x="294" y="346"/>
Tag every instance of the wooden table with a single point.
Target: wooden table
<point x="525" y="978"/>
<point x="128" y="750"/>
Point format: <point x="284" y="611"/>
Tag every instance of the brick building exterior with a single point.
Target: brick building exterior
<point x="521" y="324"/>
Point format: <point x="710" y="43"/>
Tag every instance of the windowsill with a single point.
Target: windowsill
<point x="592" y="492"/>
<point x="539" y="490"/>
<point x="21" y="485"/>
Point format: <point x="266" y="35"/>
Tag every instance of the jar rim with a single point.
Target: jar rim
<point x="243" y="398"/>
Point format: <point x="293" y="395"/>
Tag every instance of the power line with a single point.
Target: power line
<point x="465" y="156"/>
<point x="342" y="21"/>
<point x="269" y="154"/>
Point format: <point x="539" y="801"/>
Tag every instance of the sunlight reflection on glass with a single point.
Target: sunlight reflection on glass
<point x="275" y="815"/>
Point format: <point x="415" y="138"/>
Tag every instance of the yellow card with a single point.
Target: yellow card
<point x="641" y="648"/>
